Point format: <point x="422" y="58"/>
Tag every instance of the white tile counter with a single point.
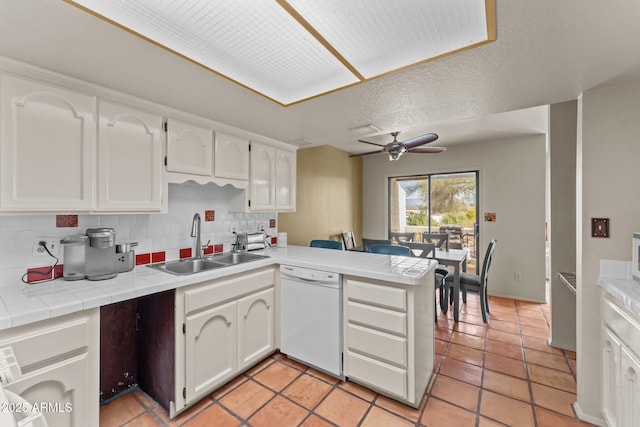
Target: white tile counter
<point x="615" y="279"/>
<point x="21" y="303"/>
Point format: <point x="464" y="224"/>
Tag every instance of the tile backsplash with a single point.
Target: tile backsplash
<point x="156" y="234"/>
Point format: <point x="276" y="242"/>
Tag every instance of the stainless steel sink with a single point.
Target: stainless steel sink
<point x="196" y="265"/>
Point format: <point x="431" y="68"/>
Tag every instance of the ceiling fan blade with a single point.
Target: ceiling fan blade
<point x="420" y="140"/>
<point x="426" y="150"/>
<point x="367" y="153"/>
<point x="372" y="143"/>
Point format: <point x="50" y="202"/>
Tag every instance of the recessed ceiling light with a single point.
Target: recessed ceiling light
<point x="293" y="50"/>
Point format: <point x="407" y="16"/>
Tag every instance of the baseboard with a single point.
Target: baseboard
<point x="588" y="418"/>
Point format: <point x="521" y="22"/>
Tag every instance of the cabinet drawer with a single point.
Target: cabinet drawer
<point x="377" y="317"/>
<point x="215" y="291"/>
<point x="377" y="344"/>
<point x="383" y="296"/>
<point x="49" y="339"/>
<point x="377" y="374"/>
<point x="623" y="323"/>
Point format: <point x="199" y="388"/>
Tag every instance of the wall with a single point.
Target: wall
<point x="329" y="196"/>
<point x="607" y="187"/>
<point x="512" y="184"/>
<point x="164" y="234"/>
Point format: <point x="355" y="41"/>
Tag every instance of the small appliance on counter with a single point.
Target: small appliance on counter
<point x="74" y="249"/>
<point x="101" y="260"/>
<point x="251" y="241"/>
<point x="125" y="256"/>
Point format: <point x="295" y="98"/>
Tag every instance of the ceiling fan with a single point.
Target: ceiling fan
<point x="395" y="149"/>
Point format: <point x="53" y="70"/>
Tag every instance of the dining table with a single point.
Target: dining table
<point x="456" y="258"/>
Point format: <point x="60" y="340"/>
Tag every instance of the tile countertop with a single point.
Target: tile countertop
<point x="21" y="304"/>
<point x="616" y="280"/>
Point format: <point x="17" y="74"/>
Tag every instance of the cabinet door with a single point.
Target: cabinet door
<point x="231" y="157"/>
<point x="629" y="414"/>
<point x="211" y="349"/>
<point x="285" y="180"/>
<point x="189" y="148"/>
<point x="610" y="376"/>
<point x="64" y="390"/>
<point x="129" y="159"/>
<point x="263" y="175"/>
<point x="47" y="147"/>
<point x="256" y="328"/>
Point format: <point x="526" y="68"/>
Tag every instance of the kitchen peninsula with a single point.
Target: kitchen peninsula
<point x="37" y="311"/>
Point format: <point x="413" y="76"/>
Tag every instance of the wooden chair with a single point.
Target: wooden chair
<point x="441" y="240"/>
<point x="473" y="282"/>
<point x="390" y="249"/>
<point x="368" y="242"/>
<point x="349" y="240"/>
<point x="327" y="244"/>
<point x="401" y="238"/>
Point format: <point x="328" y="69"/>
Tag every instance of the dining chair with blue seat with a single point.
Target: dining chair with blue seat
<point x="473" y="282"/>
<point x="368" y="242"/>
<point x="427" y="250"/>
<point x="390" y="250"/>
<point x="327" y="244"/>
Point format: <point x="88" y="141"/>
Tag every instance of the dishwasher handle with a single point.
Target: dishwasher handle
<point x="327" y="283"/>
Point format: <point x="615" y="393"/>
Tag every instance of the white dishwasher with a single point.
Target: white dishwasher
<point x="311" y="318"/>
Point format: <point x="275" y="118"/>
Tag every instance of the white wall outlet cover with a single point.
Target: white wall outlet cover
<point x="52" y="245"/>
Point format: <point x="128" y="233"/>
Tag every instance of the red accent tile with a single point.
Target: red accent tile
<point x="66" y="221"/>
<point x="218" y="248"/>
<point x="185" y="253"/>
<point x="157" y="257"/>
<point x="37" y="274"/>
<point x="274" y="240"/>
<point x="208" y="250"/>
<point x="58" y="271"/>
<point x="272" y="223"/>
<point x="142" y="259"/>
<point x="209" y="215"/>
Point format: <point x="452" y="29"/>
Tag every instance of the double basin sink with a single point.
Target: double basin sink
<point x="188" y="266"/>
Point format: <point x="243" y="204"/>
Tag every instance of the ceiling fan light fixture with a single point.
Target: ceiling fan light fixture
<point x="394" y="156"/>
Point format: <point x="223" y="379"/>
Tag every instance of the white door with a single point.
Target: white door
<point x="65" y="390"/>
<point x="231" y="157"/>
<point x="285" y="180"/>
<point x="629" y="389"/>
<point x="47" y="147"/>
<point x="211" y="349"/>
<point x="255" y="327"/>
<point x="129" y="158"/>
<point x="263" y="175"/>
<point x="610" y="376"/>
<point x="189" y="148"/>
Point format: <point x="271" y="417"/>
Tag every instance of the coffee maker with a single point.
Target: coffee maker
<point x="101" y="254"/>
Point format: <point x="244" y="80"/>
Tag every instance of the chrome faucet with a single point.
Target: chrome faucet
<point x="195" y="232"/>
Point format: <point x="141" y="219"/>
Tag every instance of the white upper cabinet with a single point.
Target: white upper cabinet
<point x="189" y="148"/>
<point x="263" y="177"/>
<point x="47" y="147"/>
<point x="231" y="157"/>
<point x="285" y="180"/>
<point x="129" y="159"/>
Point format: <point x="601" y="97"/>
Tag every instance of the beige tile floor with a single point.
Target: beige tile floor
<point x="503" y="373"/>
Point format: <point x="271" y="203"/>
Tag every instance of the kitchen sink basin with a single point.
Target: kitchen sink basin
<point x="196" y="265"/>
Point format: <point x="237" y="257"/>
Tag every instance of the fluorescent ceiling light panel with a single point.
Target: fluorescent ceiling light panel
<point x="292" y="50"/>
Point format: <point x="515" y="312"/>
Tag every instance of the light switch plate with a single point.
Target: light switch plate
<point x="599" y="227"/>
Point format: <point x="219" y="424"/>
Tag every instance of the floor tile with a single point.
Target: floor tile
<point x="465" y="354"/>
<point x="530" y="331"/>
<point x="120" y="411"/>
<point x="277" y="376"/>
<point x="380" y="418"/>
<point x="547" y="418"/>
<point x="456" y="392"/>
<point x="505" y="349"/>
<point x="505" y="365"/>
<point x="486" y="422"/>
<point x="260" y="366"/>
<point x="504" y="409"/>
<point x="513" y="328"/>
<point x="509" y="338"/>
<point x="324" y="377"/>
<point x="184" y="416"/>
<point x="307" y="391"/>
<point x="472" y="341"/>
<point x="552" y="378"/>
<point x="342" y="408"/>
<point x="439" y="413"/>
<point x="466" y="372"/>
<point x="554" y="399"/>
<point x="358" y="390"/>
<point x="246" y="399"/>
<point x="440" y="347"/>
<point x="471" y="329"/>
<point x="398" y="408"/>
<point x="144" y="420"/>
<point x="545" y="359"/>
<point x="506" y="385"/>
<point x="214" y="415"/>
<point x="539" y="344"/>
<point x="231" y="385"/>
<point x="279" y="412"/>
<point x="294" y="363"/>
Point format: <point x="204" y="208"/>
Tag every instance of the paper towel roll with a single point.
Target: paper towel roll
<point x="282" y="240"/>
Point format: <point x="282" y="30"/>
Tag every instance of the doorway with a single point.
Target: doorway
<point x="437" y="203"/>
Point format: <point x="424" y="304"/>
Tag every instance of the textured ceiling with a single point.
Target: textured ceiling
<point x="546" y="51"/>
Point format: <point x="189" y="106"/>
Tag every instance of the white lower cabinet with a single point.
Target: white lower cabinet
<point x="223" y="327"/>
<point x="620" y="342"/>
<point x="60" y="367"/>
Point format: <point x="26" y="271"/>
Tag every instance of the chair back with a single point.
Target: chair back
<point x="427" y="250"/>
<point x="368" y="242"/>
<point x="441" y="240"/>
<point x="390" y="250"/>
<point x="327" y="244"/>
<point x="401" y="238"/>
<point x="484" y="275"/>
<point x="349" y="240"/>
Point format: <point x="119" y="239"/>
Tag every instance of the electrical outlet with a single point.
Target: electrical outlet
<point x="52" y="245"/>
